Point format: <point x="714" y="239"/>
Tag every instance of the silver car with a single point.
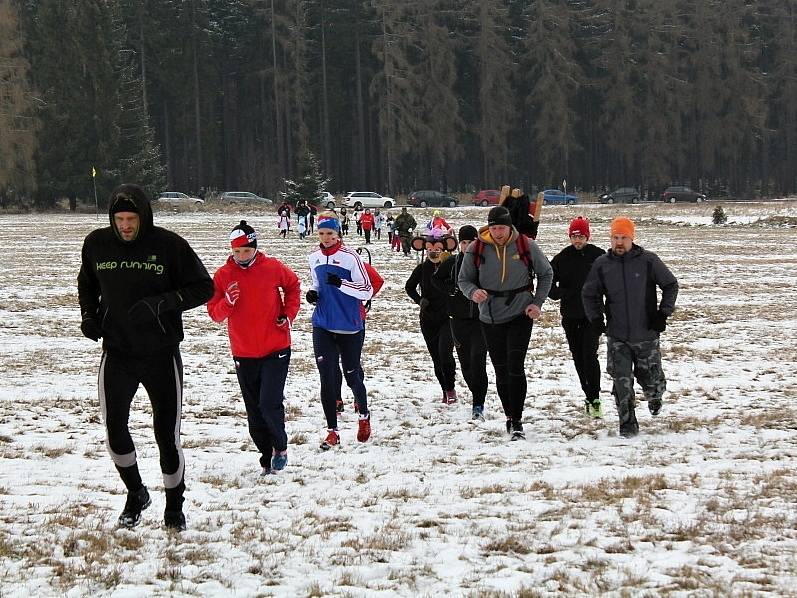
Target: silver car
<point x="177" y="198"/>
<point x="243" y="197"/>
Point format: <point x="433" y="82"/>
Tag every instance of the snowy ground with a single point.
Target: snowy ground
<point x="703" y="502"/>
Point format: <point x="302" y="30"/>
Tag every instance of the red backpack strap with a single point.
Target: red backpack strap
<point x="478" y="248"/>
<point x="522" y="243"/>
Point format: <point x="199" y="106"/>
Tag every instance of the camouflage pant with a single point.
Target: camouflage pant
<point x="624" y="361"/>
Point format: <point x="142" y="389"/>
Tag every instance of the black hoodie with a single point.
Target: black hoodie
<point x="158" y="264"/>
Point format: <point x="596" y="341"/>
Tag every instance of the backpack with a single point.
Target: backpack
<point x="522" y="246"/>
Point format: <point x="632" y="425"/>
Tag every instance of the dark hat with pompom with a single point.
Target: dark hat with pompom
<point x="243" y="235"/>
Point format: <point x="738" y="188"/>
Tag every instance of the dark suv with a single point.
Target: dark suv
<point x="421" y="199"/>
<point x="676" y="193"/>
<point x="621" y="195"/>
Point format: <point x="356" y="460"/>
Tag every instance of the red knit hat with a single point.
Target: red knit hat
<point x="579" y="226"/>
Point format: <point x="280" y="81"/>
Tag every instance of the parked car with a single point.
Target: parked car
<point x="243" y="197"/>
<point x="367" y="199"/>
<point x="421" y="199"/>
<point x="326" y="199"/>
<point x="177" y="198"/>
<point x="678" y="193"/>
<point x="487" y="197"/>
<point x="621" y="195"/>
<point x="556" y="197"/>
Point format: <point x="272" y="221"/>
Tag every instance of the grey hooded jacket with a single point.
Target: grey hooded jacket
<point x="629" y="284"/>
<point x="503" y="269"/>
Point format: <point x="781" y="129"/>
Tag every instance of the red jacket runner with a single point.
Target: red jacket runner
<point x="252" y="321"/>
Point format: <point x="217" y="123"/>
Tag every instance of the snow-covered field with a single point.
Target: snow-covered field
<point x="703" y="502"/>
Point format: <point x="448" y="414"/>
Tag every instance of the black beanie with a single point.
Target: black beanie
<point x="499" y="215"/>
<point x="123" y="202"/>
<point x="468" y="233"/>
<point x="243" y="235"/>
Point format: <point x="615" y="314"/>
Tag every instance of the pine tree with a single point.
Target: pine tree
<point x="18" y="123"/>
<point x="311" y="181"/>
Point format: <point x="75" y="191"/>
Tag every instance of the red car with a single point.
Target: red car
<point x="486" y="197"/>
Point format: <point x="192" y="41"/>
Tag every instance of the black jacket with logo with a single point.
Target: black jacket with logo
<point x="570" y="269"/>
<point x="115" y="274"/>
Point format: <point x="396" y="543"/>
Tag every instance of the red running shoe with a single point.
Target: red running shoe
<point x="364" y="428"/>
<point x="450" y="397"/>
<point x="332" y="439"/>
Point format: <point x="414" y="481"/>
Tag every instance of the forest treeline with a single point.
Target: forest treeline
<point x="395" y="95"/>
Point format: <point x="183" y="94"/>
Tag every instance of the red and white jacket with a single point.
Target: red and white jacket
<point x="268" y="289"/>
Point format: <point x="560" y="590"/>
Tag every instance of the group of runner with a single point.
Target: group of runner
<point x="136" y="279"/>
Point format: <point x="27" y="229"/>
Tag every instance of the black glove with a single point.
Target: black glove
<point x="334" y="280"/>
<point x="147" y="309"/>
<point x="312" y="296"/>
<point x="658" y="322"/>
<point x="597" y="326"/>
<point x="91" y="329"/>
<point x="424" y="303"/>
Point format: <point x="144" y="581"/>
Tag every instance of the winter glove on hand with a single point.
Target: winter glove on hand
<point x="282" y="320"/>
<point x="334" y="280"/>
<point x="147" y="309"/>
<point x="597" y="326"/>
<point x="424" y="303"/>
<point x="232" y="293"/>
<point x="91" y="329"/>
<point x="658" y="322"/>
<point x="312" y="296"/>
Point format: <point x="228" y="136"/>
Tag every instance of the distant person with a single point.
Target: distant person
<point x="367" y="224"/>
<point x="570" y="269"/>
<point x="498" y="273"/>
<point x="311" y="220"/>
<point x="358" y="214"/>
<point x="284" y="221"/>
<point x="259" y="297"/>
<point x="339" y="284"/>
<point x="379" y="221"/>
<point x="302" y="216"/>
<point x="520" y="210"/>
<point x="344" y="222"/>
<point x="627" y="276"/>
<point x="135" y="281"/>
<point x="405" y="224"/>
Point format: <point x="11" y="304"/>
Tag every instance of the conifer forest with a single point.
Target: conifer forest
<point x="397" y="95"/>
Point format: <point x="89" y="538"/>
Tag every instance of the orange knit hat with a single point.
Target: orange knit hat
<point x="623" y="226"/>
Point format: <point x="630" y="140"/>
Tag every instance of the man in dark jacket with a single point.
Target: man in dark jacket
<point x="434" y="314"/>
<point x="405" y="224"/>
<point x="570" y="269"/>
<point x="466" y="330"/>
<point x="135" y="281"/>
<point x="628" y="276"/>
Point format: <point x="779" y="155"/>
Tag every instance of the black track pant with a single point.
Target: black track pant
<point x="262" y="382"/>
<point x="330" y="349"/>
<point x="441" y="349"/>
<point x="472" y="352"/>
<point x="583" y="343"/>
<point x="508" y="344"/>
<point x="161" y="374"/>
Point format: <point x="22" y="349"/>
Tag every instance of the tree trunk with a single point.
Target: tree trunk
<point x="277" y="105"/>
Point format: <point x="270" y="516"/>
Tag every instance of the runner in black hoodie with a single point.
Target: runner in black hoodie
<point x="466" y="330"/>
<point x="135" y="281"/>
<point x="434" y="312"/>
<point x="570" y="269"/>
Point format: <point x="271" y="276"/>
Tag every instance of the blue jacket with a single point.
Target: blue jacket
<point x="338" y="309"/>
